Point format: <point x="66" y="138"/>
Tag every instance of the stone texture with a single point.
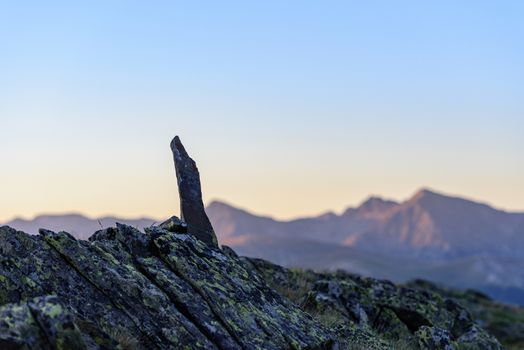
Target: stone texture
<point x="40" y="323"/>
<point x="154" y="290"/>
<point x="169" y="290"/>
<point x="376" y="314"/>
<point x="189" y="189"/>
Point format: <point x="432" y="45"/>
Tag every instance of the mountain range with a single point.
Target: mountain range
<point x="451" y="240"/>
<point x="428" y="225"/>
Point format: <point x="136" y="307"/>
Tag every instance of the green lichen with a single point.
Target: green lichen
<point x="397" y="316"/>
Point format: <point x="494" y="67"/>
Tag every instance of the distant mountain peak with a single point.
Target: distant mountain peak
<point x="219" y="204"/>
<point x="329" y="215"/>
<point x="427" y="192"/>
<point x="376" y="204"/>
<point x="46" y="216"/>
<point x="376" y="200"/>
<point x="219" y="208"/>
<point x="427" y="196"/>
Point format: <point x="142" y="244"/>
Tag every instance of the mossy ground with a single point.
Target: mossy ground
<point x="128" y="290"/>
<point x="504" y="321"/>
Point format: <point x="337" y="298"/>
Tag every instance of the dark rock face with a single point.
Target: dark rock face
<point x="153" y="290"/>
<point x="189" y="189"/>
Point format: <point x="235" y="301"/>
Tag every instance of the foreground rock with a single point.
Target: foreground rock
<point x="158" y="289"/>
<point x="166" y="289"/>
<point x="189" y="188"/>
<point x="40" y="323"/>
<point x="504" y="321"/>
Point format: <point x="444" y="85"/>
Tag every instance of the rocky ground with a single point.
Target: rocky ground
<point x="166" y="289"/>
<point x="367" y="313"/>
<point x="172" y="287"/>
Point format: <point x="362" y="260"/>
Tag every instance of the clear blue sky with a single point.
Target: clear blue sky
<point x="289" y="107"/>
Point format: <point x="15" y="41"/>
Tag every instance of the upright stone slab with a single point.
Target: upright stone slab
<point x="191" y="205"/>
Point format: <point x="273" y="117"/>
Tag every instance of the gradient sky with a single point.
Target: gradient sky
<point x="289" y="107"/>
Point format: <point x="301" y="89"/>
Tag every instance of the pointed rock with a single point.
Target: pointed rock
<point x="191" y="205"/>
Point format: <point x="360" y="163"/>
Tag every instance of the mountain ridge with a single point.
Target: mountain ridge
<point x="428" y="220"/>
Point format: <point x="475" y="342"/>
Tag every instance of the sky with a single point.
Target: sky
<point x="290" y="108"/>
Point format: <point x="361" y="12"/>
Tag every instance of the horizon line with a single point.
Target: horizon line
<point x="255" y="213"/>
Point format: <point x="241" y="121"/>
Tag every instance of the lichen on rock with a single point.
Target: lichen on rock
<point x="377" y="313"/>
<point x="40" y="323"/>
<point x="165" y="289"/>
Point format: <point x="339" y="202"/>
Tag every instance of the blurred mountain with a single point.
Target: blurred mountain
<point x="432" y="225"/>
<point x="446" y="239"/>
<point x="428" y="225"/>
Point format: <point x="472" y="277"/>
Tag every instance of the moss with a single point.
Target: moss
<point x="124" y="339"/>
<point x="29" y="282"/>
<point x="390" y="313"/>
<point x="505" y="322"/>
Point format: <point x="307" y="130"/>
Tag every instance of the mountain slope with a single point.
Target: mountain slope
<point x="432" y="225"/>
<point x="428" y="225"/>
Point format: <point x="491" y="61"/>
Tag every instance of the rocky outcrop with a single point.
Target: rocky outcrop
<point x="191" y="205"/>
<point x="504" y="321"/>
<point x="158" y="289"/>
<point x="378" y="314"/>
